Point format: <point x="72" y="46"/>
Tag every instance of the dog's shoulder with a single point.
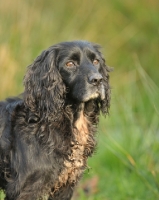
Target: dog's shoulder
<point x="7" y="109"/>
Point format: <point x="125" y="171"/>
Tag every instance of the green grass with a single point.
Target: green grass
<point x="126" y="164"/>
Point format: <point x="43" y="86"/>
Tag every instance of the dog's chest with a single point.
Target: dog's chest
<point x="76" y="162"/>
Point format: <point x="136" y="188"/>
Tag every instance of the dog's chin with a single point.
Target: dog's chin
<point x="95" y="95"/>
<point x="92" y="95"/>
<point x="89" y="94"/>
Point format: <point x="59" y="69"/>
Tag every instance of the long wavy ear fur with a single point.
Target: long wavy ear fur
<point x="44" y="88"/>
<point x="104" y="104"/>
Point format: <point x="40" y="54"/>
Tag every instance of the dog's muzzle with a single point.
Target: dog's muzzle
<point x="96" y="80"/>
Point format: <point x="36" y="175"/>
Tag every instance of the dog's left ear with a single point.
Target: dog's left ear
<point x="44" y="89"/>
<point x="105" y="103"/>
<point x="104" y="70"/>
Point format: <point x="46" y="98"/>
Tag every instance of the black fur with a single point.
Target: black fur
<point x="47" y="135"/>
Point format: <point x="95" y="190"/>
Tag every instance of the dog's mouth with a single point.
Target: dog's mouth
<point x="94" y="93"/>
<point x="97" y="94"/>
<point x="87" y="92"/>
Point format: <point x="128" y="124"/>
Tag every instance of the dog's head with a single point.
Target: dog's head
<point x="74" y="70"/>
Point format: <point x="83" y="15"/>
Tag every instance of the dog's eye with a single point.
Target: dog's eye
<point x="95" y="62"/>
<point x="70" y="64"/>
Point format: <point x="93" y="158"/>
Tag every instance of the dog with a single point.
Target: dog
<point x="47" y="133"/>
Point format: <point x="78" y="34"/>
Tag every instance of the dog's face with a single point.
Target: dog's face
<point x="80" y="65"/>
<point x="64" y="72"/>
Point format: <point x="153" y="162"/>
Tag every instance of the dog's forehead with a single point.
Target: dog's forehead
<point x="79" y="43"/>
<point x="68" y="48"/>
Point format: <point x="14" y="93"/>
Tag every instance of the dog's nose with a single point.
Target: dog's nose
<point x="95" y="79"/>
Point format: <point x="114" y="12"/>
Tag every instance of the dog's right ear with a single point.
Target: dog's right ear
<point x="44" y="88"/>
<point x="104" y="70"/>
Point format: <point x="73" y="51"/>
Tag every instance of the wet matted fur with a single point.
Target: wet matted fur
<point x="47" y="135"/>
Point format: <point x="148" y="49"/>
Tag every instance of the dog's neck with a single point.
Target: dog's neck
<point x="89" y="109"/>
<point x="78" y="109"/>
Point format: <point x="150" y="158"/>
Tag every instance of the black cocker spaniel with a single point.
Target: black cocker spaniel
<point x="47" y="134"/>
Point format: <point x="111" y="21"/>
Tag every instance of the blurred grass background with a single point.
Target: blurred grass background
<point x="126" y="164"/>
